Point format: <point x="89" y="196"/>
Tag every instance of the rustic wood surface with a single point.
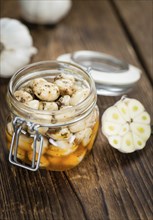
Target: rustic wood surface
<point x="107" y="184"/>
<point x="137" y="19"/>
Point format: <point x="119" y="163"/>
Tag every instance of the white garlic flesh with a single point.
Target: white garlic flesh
<point x="16" y="46"/>
<point x="126" y="125"/>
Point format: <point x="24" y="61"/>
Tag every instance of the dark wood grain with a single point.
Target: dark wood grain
<point x="138" y="21"/>
<point x="107" y="184"/>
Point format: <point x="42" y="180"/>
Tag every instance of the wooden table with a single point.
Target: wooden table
<point x="107" y="184"/>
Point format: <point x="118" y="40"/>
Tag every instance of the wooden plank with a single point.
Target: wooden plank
<point x="107" y="184"/>
<point x="137" y="17"/>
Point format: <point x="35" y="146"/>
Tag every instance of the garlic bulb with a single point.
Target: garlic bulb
<point x="126" y="125"/>
<point x="44" y="12"/>
<point x="15" y="46"/>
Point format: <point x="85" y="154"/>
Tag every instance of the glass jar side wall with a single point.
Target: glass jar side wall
<point x="63" y="148"/>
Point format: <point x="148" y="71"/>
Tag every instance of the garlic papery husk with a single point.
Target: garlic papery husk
<point x="126" y="125"/>
<point x="44" y="12"/>
<point x="16" y="46"/>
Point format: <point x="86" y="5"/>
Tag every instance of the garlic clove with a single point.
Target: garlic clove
<point x="23" y="96"/>
<point x="10" y="128"/>
<point x="124" y="129"/>
<point x="44" y="147"/>
<point x="141" y="130"/>
<point x="48" y="106"/>
<point x="113" y="115"/>
<point x="79" y="96"/>
<point x="46" y="91"/>
<point x="110" y="128"/>
<point x="33" y="104"/>
<point x="115" y="141"/>
<point x="127" y="144"/>
<point x="122" y="107"/>
<point x="135" y="108"/>
<point x="143" y="118"/>
<point x="78" y="126"/>
<point x="139" y="143"/>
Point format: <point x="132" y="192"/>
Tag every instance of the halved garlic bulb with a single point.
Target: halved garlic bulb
<point x="126" y="125"/>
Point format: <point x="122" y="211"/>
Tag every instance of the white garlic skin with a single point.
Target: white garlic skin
<point x="44" y="12"/>
<point x="15" y="53"/>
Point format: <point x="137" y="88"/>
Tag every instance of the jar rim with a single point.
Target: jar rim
<point x="27" y="109"/>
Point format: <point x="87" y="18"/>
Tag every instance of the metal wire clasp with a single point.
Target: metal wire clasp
<point x="18" y="129"/>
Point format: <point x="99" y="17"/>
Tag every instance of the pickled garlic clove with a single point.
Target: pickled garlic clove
<point x="10" y="128"/>
<point x="46" y="91"/>
<point x="48" y="106"/>
<point x="23" y="96"/>
<point x="110" y="128"/>
<point x="87" y="136"/>
<point x="135" y="108"/>
<point x="62" y="144"/>
<point x="64" y="100"/>
<point x="33" y="104"/>
<point x="143" y="118"/>
<point x="65" y="86"/>
<point x="113" y="115"/>
<point x="25" y="142"/>
<point x="44" y="147"/>
<point x="79" y="96"/>
<point x="78" y="126"/>
<point x="141" y="130"/>
<point x="115" y="141"/>
<point x="20" y="154"/>
<point x="59" y="134"/>
<point x="84" y="136"/>
<point x="56" y="151"/>
<point x="91" y="119"/>
<point x="139" y="143"/>
<point x="35" y="82"/>
<point x="43" y="160"/>
<point x="43" y="130"/>
<point x="127" y="144"/>
<point x="65" y="76"/>
<point x="65" y="115"/>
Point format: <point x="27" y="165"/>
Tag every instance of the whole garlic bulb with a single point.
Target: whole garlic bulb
<point x="15" y="46"/>
<point x="126" y="125"/>
<point x="45" y="12"/>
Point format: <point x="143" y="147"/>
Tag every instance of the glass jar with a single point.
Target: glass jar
<point x="54" y="140"/>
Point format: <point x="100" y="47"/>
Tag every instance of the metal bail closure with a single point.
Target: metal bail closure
<point x="18" y="129"/>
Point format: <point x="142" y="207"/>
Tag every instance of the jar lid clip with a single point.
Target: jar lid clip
<point x="18" y="125"/>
